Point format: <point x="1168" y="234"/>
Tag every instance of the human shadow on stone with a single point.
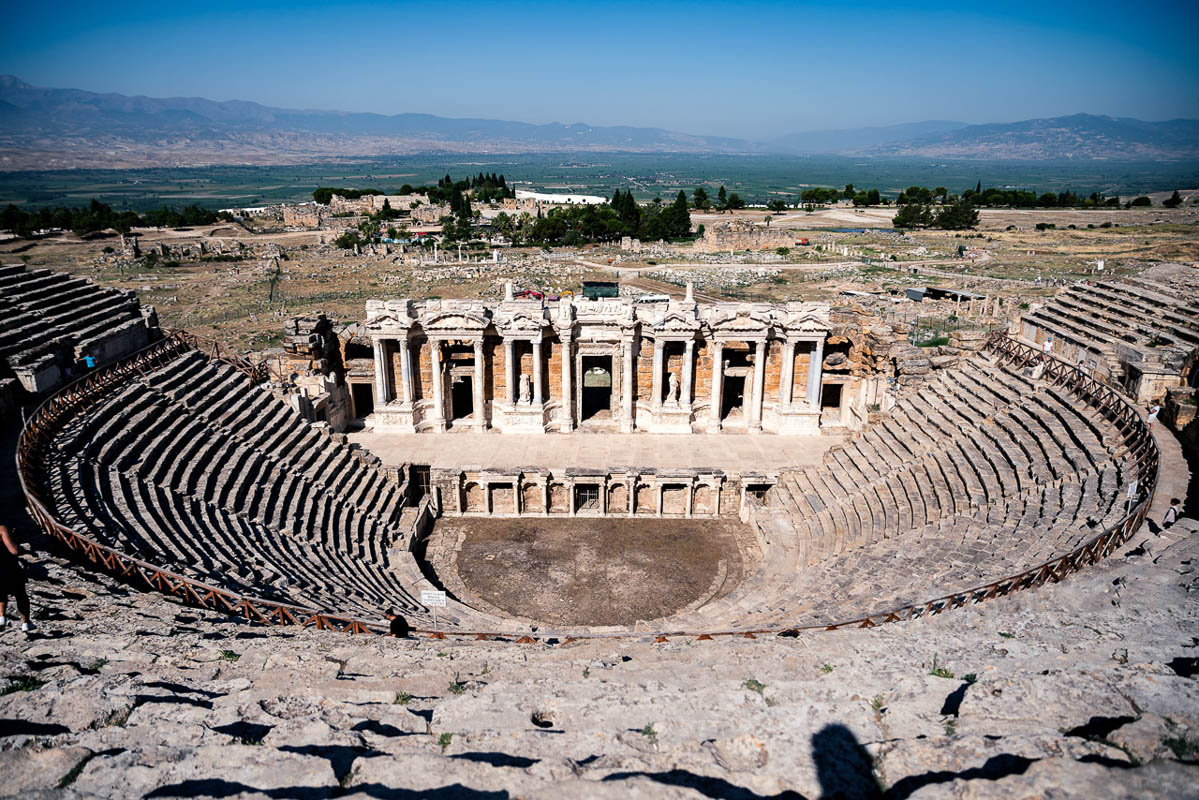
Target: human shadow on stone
<point x="498" y="759"/>
<point x="843" y="767"/>
<point x="20" y="727"/>
<point x="715" y="788"/>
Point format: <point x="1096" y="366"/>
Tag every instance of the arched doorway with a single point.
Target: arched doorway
<point x="596" y="388"/>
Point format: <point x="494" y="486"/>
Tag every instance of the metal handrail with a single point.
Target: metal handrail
<point x="79" y="395"/>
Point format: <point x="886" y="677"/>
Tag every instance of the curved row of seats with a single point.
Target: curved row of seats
<point x="188" y="468"/>
<point x="979" y="474"/>
<point x="44" y="310"/>
<point x="1104" y="317"/>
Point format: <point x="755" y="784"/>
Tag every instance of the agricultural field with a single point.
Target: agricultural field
<point x="756" y="178"/>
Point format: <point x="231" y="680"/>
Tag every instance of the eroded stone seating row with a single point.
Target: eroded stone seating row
<point x="51" y="316"/>
<point x="189" y="468"/>
<point x="980" y="474"/>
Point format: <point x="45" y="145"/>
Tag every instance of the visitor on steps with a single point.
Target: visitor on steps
<point x="12" y="580"/>
<point x="1154" y="410"/>
<point x="1172" y="512"/>
<point x="398" y="625"/>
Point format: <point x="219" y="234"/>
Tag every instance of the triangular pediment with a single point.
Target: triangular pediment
<point x="677" y="321"/>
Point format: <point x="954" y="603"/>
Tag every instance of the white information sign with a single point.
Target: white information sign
<point x="432" y="598"/>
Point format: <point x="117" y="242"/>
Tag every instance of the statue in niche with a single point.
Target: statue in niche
<point x="526" y="390"/>
<point x="672" y="389"/>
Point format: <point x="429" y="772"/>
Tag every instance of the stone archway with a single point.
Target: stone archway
<point x="647" y="502"/>
<point x="618" y="499"/>
<point x="559" y="499"/>
<point x="532" y="499"/>
<point x="474" y="497"/>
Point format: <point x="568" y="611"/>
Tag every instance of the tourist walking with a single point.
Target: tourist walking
<point x="1171" y="515"/>
<point x="12" y="580"/>
<point x="1154" y="410"/>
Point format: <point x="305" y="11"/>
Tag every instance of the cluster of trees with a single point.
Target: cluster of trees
<point x="482" y="188"/>
<point x="959" y="214"/>
<point x="817" y="196"/>
<point x="486" y="187"/>
<point x="992" y="197"/>
<point x="99" y="216"/>
<point x="725" y="200"/>
<point x="456" y="226"/>
<point x="605" y="222"/>
<point x="325" y="193"/>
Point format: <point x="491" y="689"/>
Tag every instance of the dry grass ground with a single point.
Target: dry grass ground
<point x="243" y="302"/>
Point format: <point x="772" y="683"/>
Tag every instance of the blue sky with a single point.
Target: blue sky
<point x="753" y="70"/>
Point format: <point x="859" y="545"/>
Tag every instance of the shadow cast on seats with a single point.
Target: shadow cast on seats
<point x="219" y="788"/>
<point x="844" y="769"/>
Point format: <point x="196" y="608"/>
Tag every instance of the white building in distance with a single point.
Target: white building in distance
<point x="561" y="199"/>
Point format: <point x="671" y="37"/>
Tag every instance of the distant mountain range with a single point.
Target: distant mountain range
<point x="66" y="128"/>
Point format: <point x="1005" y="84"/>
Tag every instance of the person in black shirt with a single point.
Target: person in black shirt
<point x="12" y="581"/>
<point x="398" y="625"/>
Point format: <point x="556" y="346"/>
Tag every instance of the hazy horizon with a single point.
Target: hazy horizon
<point x="754" y="72"/>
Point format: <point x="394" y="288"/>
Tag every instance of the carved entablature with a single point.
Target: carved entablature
<point x="607" y="320"/>
<point x="740" y="322"/>
<point x="454" y="319"/>
<point x="612" y="311"/>
<point x="521" y="319"/>
<point x="806" y="321"/>
<point x="678" y="322"/>
<point x="390" y="318"/>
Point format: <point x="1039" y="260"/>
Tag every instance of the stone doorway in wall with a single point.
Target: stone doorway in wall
<point x="362" y="395"/>
<point x="831" y="398"/>
<point x="732" y="399"/>
<point x="462" y="398"/>
<point x="596" y="403"/>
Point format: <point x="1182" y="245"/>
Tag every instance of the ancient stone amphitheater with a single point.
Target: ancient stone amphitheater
<point x="171" y="467"/>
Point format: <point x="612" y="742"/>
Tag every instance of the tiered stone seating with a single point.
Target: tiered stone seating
<point x="975" y="475"/>
<point x="188" y="468"/>
<point x="1102" y="318"/>
<point x="978" y="475"/>
<point x="50" y="318"/>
